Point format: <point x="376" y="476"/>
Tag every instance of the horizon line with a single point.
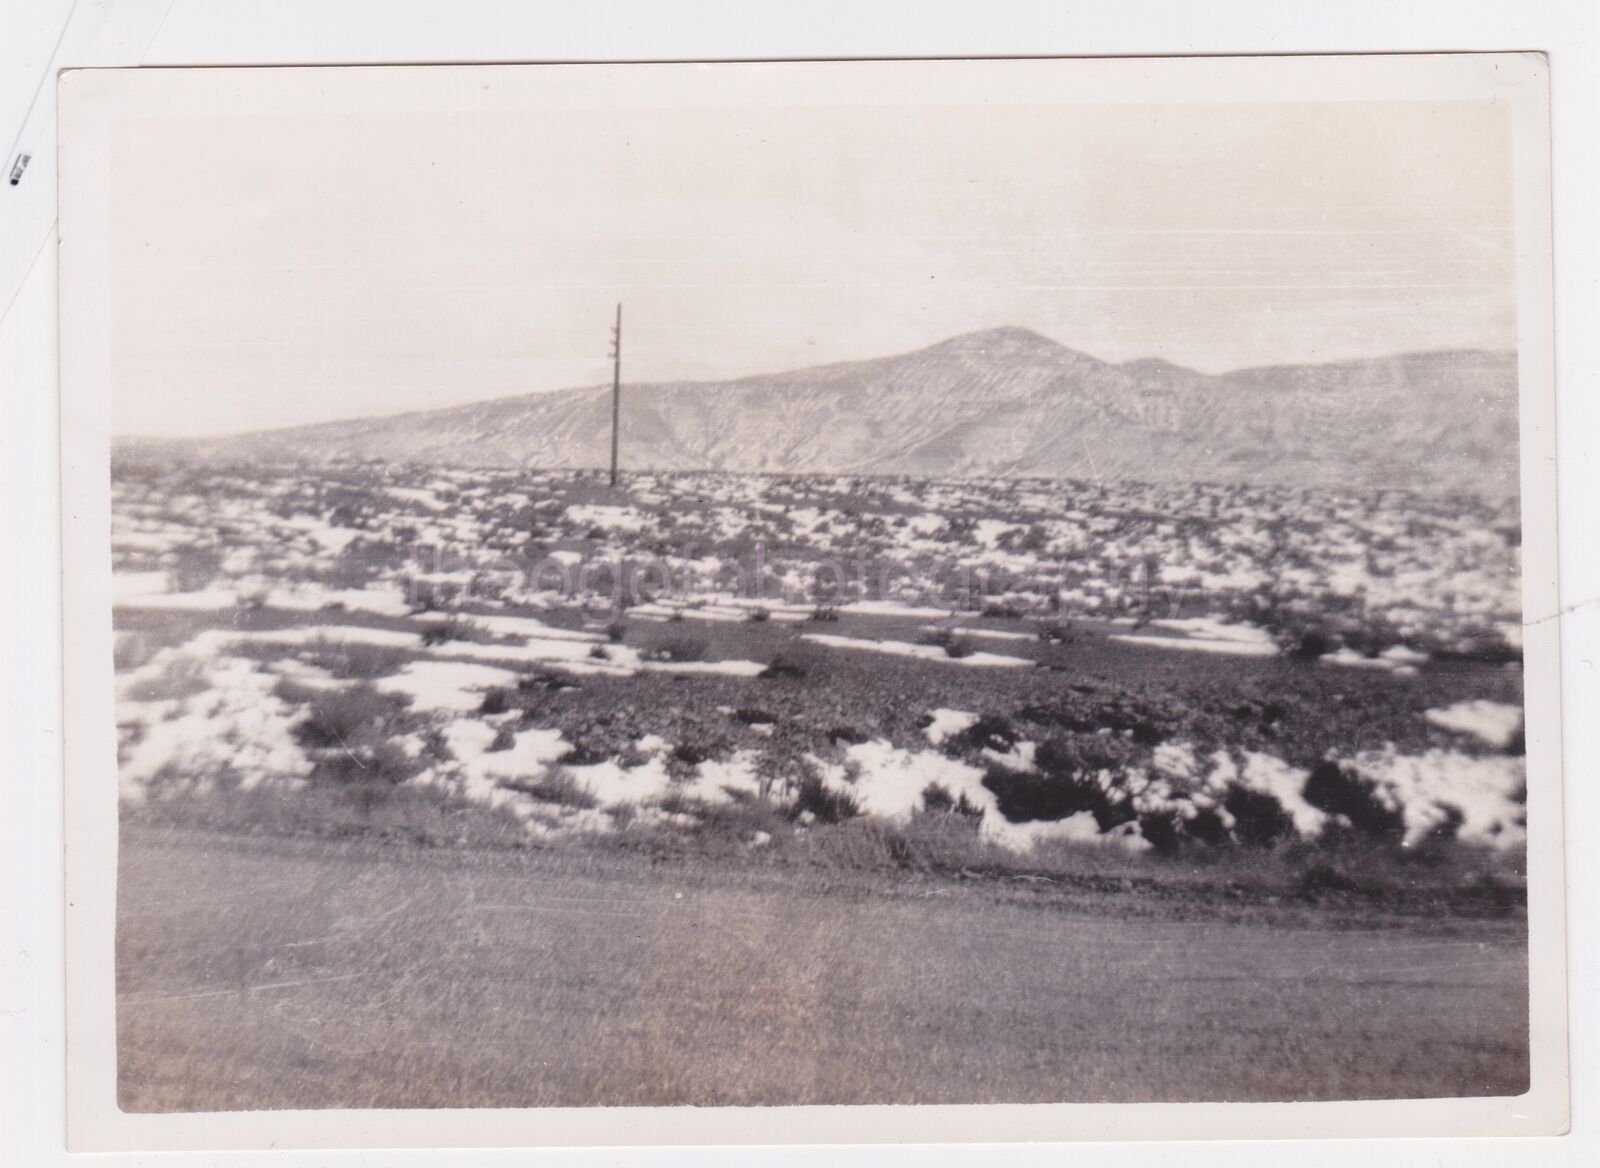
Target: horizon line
<point x="703" y="381"/>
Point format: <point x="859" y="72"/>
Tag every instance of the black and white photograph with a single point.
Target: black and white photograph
<point x="813" y="584"/>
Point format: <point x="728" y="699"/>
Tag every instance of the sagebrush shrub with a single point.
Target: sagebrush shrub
<point x="936" y="798"/>
<point x="356" y="660"/>
<point x="682" y="648"/>
<point x="1338" y="791"/>
<point x="349" y="734"/>
<point x="453" y="628"/>
<point x="558" y="786"/>
<point x="828" y="805"/>
<point x="1259" y="819"/>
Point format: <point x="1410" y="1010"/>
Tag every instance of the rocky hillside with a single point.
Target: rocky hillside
<point x="1001" y="402"/>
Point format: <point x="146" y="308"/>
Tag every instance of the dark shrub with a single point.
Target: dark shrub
<point x="1207" y="827"/>
<point x="338" y="717"/>
<point x="586" y="753"/>
<point x="989" y="732"/>
<point x="495" y="701"/>
<point x="376" y="763"/>
<point x="1162" y="829"/>
<point x="348" y="735"/>
<point x="1058" y="633"/>
<point x="680" y="649"/>
<point x="1259" y="819"/>
<point x="679" y="802"/>
<point x="828" y="805"/>
<point x="953" y="643"/>
<point x="1081" y="753"/>
<point x="691" y="754"/>
<point x="355" y="660"/>
<point x="781" y="667"/>
<point x="824" y="612"/>
<point x="616" y="630"/>
<point x="556" y="787"/>
<point x="1023" y="798"/>
<point x="757" y="616"/>
<point x="450" y="629"/>
<point x="1370" y="638"/>
<point x="1336" y="791"/>
<point x="938" y="800"/>
<point x="1311" y="644"/>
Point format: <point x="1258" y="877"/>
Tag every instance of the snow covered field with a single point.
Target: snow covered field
<point x="1139" y="667"/>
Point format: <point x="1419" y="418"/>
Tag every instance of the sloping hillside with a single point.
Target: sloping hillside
<point x="1005" y="401"/>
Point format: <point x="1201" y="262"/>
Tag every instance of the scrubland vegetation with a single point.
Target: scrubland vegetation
<point x="1169" y="671"/>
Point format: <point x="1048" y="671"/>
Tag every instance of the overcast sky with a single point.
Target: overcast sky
<point x="274" y="270"/>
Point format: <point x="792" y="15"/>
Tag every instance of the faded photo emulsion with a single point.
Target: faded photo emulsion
<point x="721" y="586"/>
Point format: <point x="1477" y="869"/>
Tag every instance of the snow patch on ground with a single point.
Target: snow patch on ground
<point x="971" y="631"/>
<point x="729" y="668"/>
<point x="923" y="652"/>
<point x="235" y="726"/>
<point x="324" y="634"/>
<point x="1205" y="635"/>
<point x="476" y="771"/>
<point x="310" y="596"/>
<point x="128" y="587"/>
<point x="446" y="685"/>
<point x="1493" y="722"/>
<point x="1401" y="665"/>
<point x="890" y="783"/>
<point x="947" y="724"/>
<point x="606" y="516"/>
<point x="723" y="781"/>
<point x="1425" y="788"/>
<point x="894" y="609"/>
<point x="504" y="625"/>
<point x="208" y="600"/>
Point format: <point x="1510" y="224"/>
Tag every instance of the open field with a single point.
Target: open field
<point x="275" y="972"/>
<point x="1282" y="663"/>
<point x="506" y="789"/>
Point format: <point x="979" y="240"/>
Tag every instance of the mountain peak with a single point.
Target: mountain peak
<point x="1004" y="341"/>
<point x="1000" y="401"/>
<point x="1158" y="365"/>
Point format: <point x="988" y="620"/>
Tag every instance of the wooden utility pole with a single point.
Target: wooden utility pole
<point x="616" y="389"/>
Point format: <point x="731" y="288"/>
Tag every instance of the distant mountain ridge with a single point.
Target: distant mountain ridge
<point x="1004" y="401"/>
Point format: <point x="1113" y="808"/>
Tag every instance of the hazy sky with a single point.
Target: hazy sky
<point x="272" y="270"/>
